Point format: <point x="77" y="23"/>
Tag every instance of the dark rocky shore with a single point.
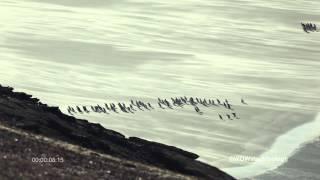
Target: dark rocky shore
<point x="22" y="111"/>
<point x="25" y="156"/>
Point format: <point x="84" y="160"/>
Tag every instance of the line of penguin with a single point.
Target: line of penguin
<point x="162" y="103"/>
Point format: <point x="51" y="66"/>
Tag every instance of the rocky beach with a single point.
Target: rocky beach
<point x="30" y="129"/>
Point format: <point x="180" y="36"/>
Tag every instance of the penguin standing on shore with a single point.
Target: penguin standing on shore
<point x="133" y="103"/>
<point x="225" y="105"/>
<point x="186" y="100"/>
<point x="183" y="100"/>
<point x="235" y="116"/>
<point x="219" y="102"/>
<point x="198" y="110"/>
<point x="85" y="109"/>
<point x="131" y="107"/>
<point x="205" y="103"/>
<point x="113" y="108"/>
<point x="122" y="107"/>
<point x="71" y="110"/>
<point x="242" y="101"/>
<point x="139" y="105"/>
<point x="168" y="104"/>
<point x="229" y="117"/>
<point x="228" y="105"/>
<point x="79" y="109"/>
<point x="144" y="105"/>
<point x="150" y="106"/>
<point x="211" y="102"/>
<point x="160" y="105"/>
<point x="198" y="100"/>
<point x="107" y="107"/>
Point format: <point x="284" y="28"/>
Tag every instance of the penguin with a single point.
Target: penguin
<point x="198" y="100"/>
<point x="70" y="109"/>
<point x="138" y="105"/>
<point x="226" y="104"/>
<point x="219" y="101"/>
<point x="192" y="102"/>
<point x="93" y="109"/>
<point x="242" y="101"/>
<point x="79" y="110"/>
<point x="113" y="108"/>
<point x="205" y="103"/>
<point x="106" y="105"/>
<point x="104" y="110"/>
<point x="235" y="116"/>
<point x="122" y="107"/>
<point x="187" y="100"/>
<point x="85" y="109"/>
<point x="213" y="103"/>
<point x="99" y="108"/>
<point x="201" y="101"/>
<point x="198" y="110"/>
<point x="180" y="103"/>
<point x="183" y="100"/>
<point x="144" y="105"/>
<point x="160" y="105"/>
<point x="229" y="117"/>
<point x="168" y="104"/>
<point x="132" y="102"/>
<point x="131" y="107"/>
<point x="174" y="101"/>
<point x="150" y="106"/>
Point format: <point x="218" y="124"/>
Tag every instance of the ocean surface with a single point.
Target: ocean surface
<point x="83" y="52"/>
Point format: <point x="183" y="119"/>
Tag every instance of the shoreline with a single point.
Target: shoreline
<point x="297" y="140"/>
<point x="302" y="164"/>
